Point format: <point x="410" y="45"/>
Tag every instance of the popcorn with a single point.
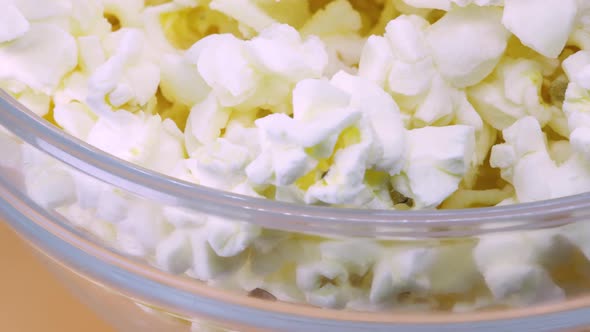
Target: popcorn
<point x="10" y="147"/>
<point x="447" y="38"/>
<point x="576" y="103"/>
<point x="205" y="122"/>
<point x="183" y="218"/>
<point x="40" y="58"/>
<point x="512" y="93"/>
<point x="321" y="113"/>
<point x="338" y="24"/>
<point x="245" y="12"/>
<point x="527" y="165"/>
<point x="532" y="22"/>
<point x="75" y="118"/>
<point x="229" y="238"/>
<point x="580" y="36"/>
<point x="12" y="23"/>
<point x="344" y="181"/>
<point x="143" y="139"/>
<point x="384" y="117"/>
<point x="174" y="254"/>
<point x="324" y="283"/>
<point x="143" y="228"/>
<point x="438" y="155"/>
<point x="47" y="182"/>
<point x="206" y="264"/>
<point x="253" y="66"/>
<point x="128" y="12"/>
<point x="514" y="265"/>
<point x="297" y="101"/>
<point x="404" y="62"/>
<point x="220" y="164"/>
<point x="128" y="77"/>
<point x="181" y="81"/>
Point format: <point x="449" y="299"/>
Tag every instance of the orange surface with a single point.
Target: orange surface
<point x="32" y="300"/>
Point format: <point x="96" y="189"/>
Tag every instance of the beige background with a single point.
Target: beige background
<point x="33" y="300"/>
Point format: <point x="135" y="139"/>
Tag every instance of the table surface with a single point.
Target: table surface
<point x="32" y="300"/>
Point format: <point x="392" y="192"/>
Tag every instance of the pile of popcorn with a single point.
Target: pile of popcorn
<point x="377" y="104"/>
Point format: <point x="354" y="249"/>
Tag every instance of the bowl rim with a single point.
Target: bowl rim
<point x="87" y="159"/>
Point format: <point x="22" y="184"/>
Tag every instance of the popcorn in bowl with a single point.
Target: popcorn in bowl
<point x="388" y="105"/>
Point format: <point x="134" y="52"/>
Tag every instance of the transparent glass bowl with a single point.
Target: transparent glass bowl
<point x="43" y="171"/>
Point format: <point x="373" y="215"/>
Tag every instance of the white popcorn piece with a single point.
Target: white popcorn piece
<point x="345" y="179"/>
<point x="576" y="105"/>
<point x="47" y="181"/>
<point x="180" y="80"/>
<point x="580" y="35"/>
<point x="39" y="103"/>
<point x="220" y="164"/>
<point x="36" y="11"/>
<point x="406" y="35"/>
<point x="408" y="70"/>
<point x="437" y="159"/>
<point x="514" y="93"/>
<point x="40" y="58"/>
<point x="560" y="151"/>
<point x="384" y="117"/>
<point x="375" y="61"/>
<point x="10" y="148"/>
<point x="50" y="186"/>
<point x="156" y="32"/>
<point x="174" y="253"/>
<point x="532" y="22"/>
<point x="461" y="55"/>
<point x="128" y="12"/>
<point x="12" y="22"/>
<point x="324" y="283"/>
<point x="112" y="205"/>
<point x="244" y="11"/>
<point x="73" y="90"/>
<point x="402" y="272"/>
<point x="525" y="163"/>
<point x="222" y="63"/>
<point x="514" y="265"/>
<point x="525" y="147"/>
<point x="522" y="285"/>
<point x="128" y="77"/>
<point x="230" y="238"/>
<point x="338" y="25"/>
<point x="321" y="113"/>
<point x="183" y="218"/>
<point x="263" y="70"/>
<point x="145" y="224"/>
<point x="576" y="68"/>
<point x="75" y="118"/>
<point x="144" y="139"/>
<point x="357" y="256"/>
<point x="271" y="252"/>
<point x="280" y="51"/>
<point x="205" y="122"/>
<point x="207" y="265"/>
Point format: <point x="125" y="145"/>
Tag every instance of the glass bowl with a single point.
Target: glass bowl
<point x="50" y="184"/>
